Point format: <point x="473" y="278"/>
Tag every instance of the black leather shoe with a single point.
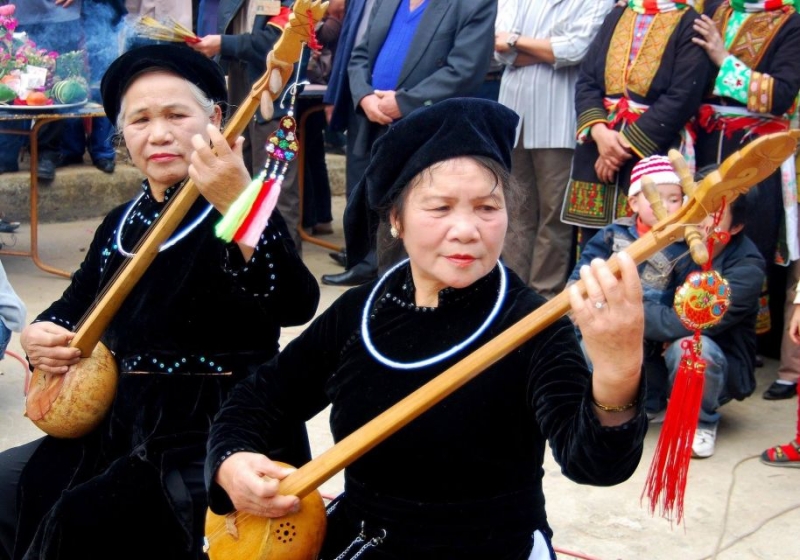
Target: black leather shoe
<point x="779" y="391"/>
<point x="8" y="227"/>
<point x="339" y="257"/>
<point x="46" y="170"/>
<point x="105" y="165"/>
<point x="359" y="274"/>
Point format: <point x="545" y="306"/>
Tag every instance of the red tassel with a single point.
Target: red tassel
<point x="700" y="303"/>
<point x="666" y="481"/>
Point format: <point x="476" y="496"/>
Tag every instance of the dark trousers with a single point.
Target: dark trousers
<point x="316" y="183"/>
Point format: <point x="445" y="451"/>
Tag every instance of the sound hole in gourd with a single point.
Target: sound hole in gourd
<point x="286" y="532"/>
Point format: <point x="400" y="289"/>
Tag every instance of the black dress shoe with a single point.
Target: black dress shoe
<point x="339" y="257"/>
<point x="46" y="170"/>
<point x="105" y="165"/>
<point x="359" y="274"/>
<point x="779" y="391"/>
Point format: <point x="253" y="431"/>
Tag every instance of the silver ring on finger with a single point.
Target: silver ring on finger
<point x="599" y="304"/>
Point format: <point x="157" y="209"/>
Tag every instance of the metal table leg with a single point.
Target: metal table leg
<point x="34" y="210"/>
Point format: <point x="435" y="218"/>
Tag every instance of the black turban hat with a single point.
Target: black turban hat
<point x="178" y="59"/>
<point x="445" y="130"/>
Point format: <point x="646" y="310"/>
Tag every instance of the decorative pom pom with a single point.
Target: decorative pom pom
<point x="702" y="300"/>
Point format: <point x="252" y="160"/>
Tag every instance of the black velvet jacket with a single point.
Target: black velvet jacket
<point x="198" y="309"/>
<point x="463" y="480"/>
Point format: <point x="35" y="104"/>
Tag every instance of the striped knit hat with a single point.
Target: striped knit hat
<point x="658" y="168"/>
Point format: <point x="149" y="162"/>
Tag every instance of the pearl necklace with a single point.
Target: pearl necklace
<point x="501" y="295"/>
<point x="169" y="242"/>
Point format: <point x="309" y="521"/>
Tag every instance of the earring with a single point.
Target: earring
<point x="393" y="232"/>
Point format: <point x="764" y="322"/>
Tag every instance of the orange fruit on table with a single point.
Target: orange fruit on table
<point x="36" y="98"/>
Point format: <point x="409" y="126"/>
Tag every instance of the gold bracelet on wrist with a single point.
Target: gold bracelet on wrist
<point x="620" y="408"/>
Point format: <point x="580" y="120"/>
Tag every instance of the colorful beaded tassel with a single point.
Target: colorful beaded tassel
<point x="248" y="215"/>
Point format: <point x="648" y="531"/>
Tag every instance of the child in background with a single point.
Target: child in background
<point x="661" y="274"/>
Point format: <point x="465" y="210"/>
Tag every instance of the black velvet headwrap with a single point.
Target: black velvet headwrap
<point x="179" y="59"/>
<point x="445" y="130"/>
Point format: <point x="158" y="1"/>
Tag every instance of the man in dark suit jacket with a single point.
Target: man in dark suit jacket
<point x="337" y="98"/>
<point x="448" y="56"/>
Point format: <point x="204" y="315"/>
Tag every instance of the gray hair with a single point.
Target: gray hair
<point x="202" y="99"/>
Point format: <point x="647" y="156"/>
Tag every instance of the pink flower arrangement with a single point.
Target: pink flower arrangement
<point x="16" y="54"/>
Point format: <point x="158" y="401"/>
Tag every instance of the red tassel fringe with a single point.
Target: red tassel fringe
<point x="666" y="480"/>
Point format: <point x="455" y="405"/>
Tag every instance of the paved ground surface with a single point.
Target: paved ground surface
<point x="736" y="508"/>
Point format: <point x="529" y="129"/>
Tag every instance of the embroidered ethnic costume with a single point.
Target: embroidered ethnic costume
<point x="642" y="78"/>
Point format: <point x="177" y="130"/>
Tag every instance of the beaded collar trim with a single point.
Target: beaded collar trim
<point x="169" y="242"/>
<point x="501" y="296"/>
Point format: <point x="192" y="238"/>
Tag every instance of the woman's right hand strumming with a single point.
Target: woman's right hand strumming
<point x="47" y="347"/>
<point x="251" y="481"/>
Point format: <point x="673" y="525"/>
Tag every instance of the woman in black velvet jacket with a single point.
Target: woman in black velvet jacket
<point x="203" y="313"/>
<point x="464" y="480"/>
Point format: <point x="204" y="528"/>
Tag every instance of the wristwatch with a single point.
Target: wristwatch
<point x="512" y="40"/>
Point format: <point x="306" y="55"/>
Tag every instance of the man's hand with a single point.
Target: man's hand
<point x="209" y="45"/>
<point x="501" y="42"/>
<point x="388" y="104"/>
<point x="336" y="9"/>
<point x="370" y="104"/>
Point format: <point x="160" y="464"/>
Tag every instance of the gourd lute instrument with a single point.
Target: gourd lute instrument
<point x="299" y="536"/>
<point x="71" y="405"/>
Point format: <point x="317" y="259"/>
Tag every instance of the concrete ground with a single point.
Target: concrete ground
<point x="735" y="507"/>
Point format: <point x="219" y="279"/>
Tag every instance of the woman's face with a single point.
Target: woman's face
<point x="161" y="114"/>
<point x="453" y="224"/>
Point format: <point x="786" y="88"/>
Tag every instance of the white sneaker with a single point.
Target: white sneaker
<point x="704" y="440"/>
